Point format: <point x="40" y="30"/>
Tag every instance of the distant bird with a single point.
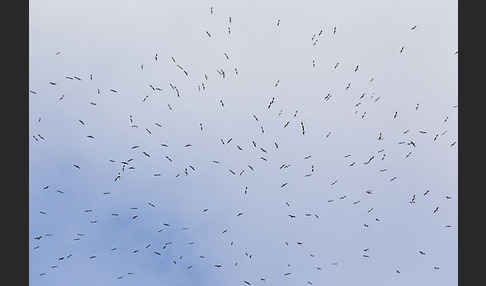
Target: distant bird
<point x="369" y="160"/>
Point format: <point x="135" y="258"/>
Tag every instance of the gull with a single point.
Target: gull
<point x="371" y="158"/>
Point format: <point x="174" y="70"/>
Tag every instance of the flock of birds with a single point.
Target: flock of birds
<point x="123" y="168"/>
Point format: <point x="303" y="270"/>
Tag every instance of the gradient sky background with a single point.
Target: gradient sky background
<point x="111" y="39"/>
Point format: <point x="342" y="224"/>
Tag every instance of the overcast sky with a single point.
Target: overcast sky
<point x="408" y="72"/>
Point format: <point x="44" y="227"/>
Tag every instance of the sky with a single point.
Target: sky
<point x="406" y="80"/>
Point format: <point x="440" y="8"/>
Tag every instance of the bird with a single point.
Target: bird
<point x="369" y="160"/>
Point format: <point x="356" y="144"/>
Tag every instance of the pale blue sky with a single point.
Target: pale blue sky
<point x="111" y="39"/>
